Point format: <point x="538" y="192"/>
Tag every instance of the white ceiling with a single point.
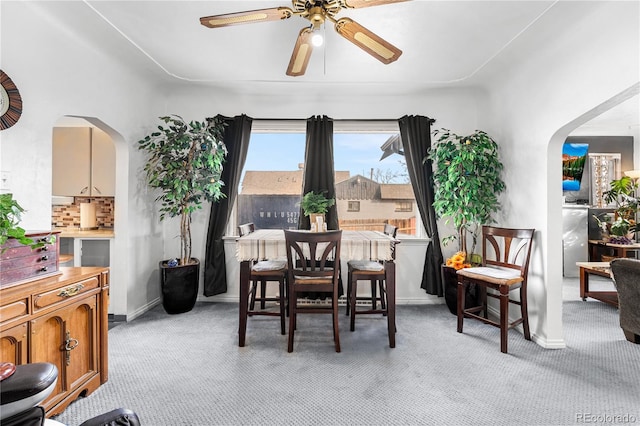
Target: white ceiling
<point x="445" y="43"/>
<point x="442" y="42"/>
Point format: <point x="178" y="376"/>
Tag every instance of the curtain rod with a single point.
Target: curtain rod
<point x="432" y="120"/>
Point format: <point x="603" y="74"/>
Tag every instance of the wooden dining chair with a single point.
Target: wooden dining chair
<point x="368" y="270"/>
<point x="313" y="266"/>
<point x="505" y="267"/>
<point x="265" y="271"/>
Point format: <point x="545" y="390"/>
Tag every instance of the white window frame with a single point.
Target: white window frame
<point x="339" y="126"/>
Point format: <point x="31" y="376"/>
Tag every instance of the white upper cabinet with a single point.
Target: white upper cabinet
<point x="83" y="162"/>
<point x="103" y="165"/>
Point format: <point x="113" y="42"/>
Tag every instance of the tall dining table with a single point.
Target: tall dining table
<point x="269" y="244"/>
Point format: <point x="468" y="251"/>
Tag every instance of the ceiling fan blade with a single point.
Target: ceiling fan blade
<point x="301" y="53"/>
<point x="377" y="47"/>
<point x="354" y="4"/>
<point x="248" y="17"/>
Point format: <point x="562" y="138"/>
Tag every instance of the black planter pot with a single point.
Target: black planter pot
<point x="451" y="291"/>
<point x="179" y="286"/>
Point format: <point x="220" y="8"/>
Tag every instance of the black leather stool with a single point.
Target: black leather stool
<point x="21" y="392"/>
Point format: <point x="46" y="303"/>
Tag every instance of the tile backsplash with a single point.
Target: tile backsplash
<point x="65" y="216"/>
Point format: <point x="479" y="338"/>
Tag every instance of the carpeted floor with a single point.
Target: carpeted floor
<point x="188" y="370"/>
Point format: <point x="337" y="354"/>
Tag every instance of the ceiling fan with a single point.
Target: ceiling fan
<point x="316" y="12"/>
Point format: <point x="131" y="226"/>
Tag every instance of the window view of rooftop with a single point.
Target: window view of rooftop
<point x="372" y="184"/>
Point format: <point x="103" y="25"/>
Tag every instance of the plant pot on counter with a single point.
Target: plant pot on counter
<point x="179" y="285"/>
<point x="319" y="220"/>
<point x="450" y="279"/>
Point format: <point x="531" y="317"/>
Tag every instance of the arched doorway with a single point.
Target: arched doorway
<point x="116" y="219"/>
<point x="554" y="193"/>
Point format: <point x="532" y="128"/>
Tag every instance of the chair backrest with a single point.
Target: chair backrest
<point x="313" y="254"/>
<point x="507" y="247"/>
<point x="246" y="228"/>
<point x="390" y="230"/>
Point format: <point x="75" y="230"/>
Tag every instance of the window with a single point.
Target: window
<point x="271" y="182"/>
<point x="404" y="206"/>
<point x="368" y="180"/>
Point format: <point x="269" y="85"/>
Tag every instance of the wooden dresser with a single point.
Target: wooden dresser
<point x="61" y="319"/>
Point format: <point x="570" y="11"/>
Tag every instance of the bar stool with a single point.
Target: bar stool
<point x="266" y="271"/>
<point x="314" y="266"/>
<point x="367" y="270"/>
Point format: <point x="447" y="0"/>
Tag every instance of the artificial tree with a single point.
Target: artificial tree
<point x="467" y="180"/>
<point x="185" y="163"/>
<point x="467" y="183"/>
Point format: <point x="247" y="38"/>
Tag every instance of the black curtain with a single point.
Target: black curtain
<point x="319" y="174"/>
<point x="415" y="132"/>
<point x="236" y="138"/>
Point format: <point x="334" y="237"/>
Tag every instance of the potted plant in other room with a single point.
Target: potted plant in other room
<point x="467" y="181"/>
<point x="314" y="205"/>
<point x="623" y="227"/>
<point x="185" y="163"/>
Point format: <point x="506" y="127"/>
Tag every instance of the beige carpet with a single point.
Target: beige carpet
<point x="188" y="370"/>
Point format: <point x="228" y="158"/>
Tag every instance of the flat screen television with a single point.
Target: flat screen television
<point x="574" y="157"/>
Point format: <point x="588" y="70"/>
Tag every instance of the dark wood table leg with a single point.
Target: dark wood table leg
<point x="390" y="278"/>
<point x="245" y="273"/>
<point x="584" y="283"/>
<point x="594" y="253"/>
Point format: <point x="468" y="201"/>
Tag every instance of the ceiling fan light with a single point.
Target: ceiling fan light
<point x="316" y="39"/>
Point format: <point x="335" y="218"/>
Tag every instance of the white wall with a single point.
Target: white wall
<point x="533" y="107"/>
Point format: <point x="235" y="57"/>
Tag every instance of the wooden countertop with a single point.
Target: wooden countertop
<point x="91" y="233"/>
<point x="64" y="276"/>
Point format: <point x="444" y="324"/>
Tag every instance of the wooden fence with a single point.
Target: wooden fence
<point x="405" y="226"/>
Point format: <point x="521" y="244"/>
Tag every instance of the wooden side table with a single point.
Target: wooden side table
<point x="596" y="268"/>
<point x="619" y="250"/>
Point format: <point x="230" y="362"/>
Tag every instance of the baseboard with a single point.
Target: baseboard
<point x="227" y="298"/>
<point x="117" y="318"/>
<point x="152" y="304"/>
<point x="549" y="344"/>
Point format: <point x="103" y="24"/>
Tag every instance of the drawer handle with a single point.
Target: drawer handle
<point x="44" y="269"/>
<point x="45" y="257"/>
<point x="71" y="291"/>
